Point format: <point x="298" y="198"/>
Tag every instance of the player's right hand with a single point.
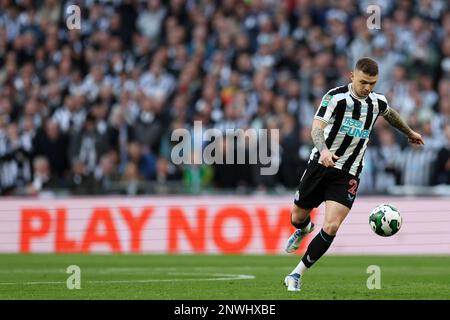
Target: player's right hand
<point x="327" y="158"/>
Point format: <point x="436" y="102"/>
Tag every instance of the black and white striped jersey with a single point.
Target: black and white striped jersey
<point x="349" y="123"/>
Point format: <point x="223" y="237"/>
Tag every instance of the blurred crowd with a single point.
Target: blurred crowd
<point x="91" y="110"/>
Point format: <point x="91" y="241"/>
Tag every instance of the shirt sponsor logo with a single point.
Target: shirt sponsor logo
<point x="354" y="128"/>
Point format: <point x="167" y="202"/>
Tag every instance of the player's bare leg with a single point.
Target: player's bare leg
<point x="299" y="215"/>
<point x="301" y="221"/>
<point x="335" y="214"/>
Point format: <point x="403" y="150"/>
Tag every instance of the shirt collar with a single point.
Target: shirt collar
<point x="354" y="95"/>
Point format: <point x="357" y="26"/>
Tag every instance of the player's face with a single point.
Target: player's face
<point x="362" y="83"/>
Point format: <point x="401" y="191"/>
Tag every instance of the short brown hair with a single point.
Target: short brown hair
<point x="368" y="66"/>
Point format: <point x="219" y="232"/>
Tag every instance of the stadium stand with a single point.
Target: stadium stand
<point x="91" y="111"/>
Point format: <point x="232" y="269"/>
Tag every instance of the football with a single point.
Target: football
<point x="385" y="220"/>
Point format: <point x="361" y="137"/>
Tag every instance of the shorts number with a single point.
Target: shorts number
<point x="354" y="185"/>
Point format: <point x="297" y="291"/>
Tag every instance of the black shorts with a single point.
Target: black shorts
<point x="320" y="183"/>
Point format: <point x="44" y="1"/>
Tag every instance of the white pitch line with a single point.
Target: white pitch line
<point x="221" y="277"/>
<point x="31" y="283"/>
<point x="151" y="270"/>
<point x="36" y="271"/>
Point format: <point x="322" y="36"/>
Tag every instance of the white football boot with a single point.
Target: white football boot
<point x="293" y="282"/>
<point x="293" y="243"/>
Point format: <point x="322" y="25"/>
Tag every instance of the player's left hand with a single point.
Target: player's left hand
<point x="415" y="138"/>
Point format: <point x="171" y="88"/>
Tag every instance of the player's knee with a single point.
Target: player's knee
<point x="296" y="221"/>
<point x="331" y="228"/>
<point x="298" y="217"/>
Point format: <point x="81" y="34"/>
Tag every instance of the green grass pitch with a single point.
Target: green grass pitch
<point x="196" y="277"/>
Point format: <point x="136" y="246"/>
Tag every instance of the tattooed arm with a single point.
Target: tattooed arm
<point x="318" y="138"/>
<point x="394" y="119"/>
<point x="326" y="157"/>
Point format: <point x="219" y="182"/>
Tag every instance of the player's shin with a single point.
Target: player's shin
<point x="316" y="248"/>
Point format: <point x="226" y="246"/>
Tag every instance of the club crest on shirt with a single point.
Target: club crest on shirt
<point x="375" y="107"/>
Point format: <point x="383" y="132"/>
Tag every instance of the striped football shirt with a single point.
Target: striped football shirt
<point x="349" y="122"/>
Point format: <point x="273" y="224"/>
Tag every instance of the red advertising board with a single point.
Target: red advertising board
<point x="207" y="225"/>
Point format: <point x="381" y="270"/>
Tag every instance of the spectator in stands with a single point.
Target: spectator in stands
<point x="150" y="20"/>
<point x="106" y="174"/>
<point x="88" y="145"/>
<point x="71" y="116"/>
<point x="289" y="145"/>
<point x="148" y="128"/>
<point x="42" y="181"/>
<point x="416" y="166"/>
<point x="442" y="165"/>
<point x="197" y="176"/>
<point x="166" y="171"/>
<point x="50" y="11"/>
<point x="385" y="159"/>
<point x="81" y="181"/>
<point x="131" y="180"/>
<point x="53" y="144"/>
<point x="145" y="162"/>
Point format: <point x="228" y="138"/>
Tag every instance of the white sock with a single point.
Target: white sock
<point x="300" y="269"/>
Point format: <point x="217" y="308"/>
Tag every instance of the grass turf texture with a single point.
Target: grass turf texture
<point x="42" y="276"/>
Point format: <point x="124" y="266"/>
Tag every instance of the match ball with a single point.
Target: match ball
<point x="385" y="220"/>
